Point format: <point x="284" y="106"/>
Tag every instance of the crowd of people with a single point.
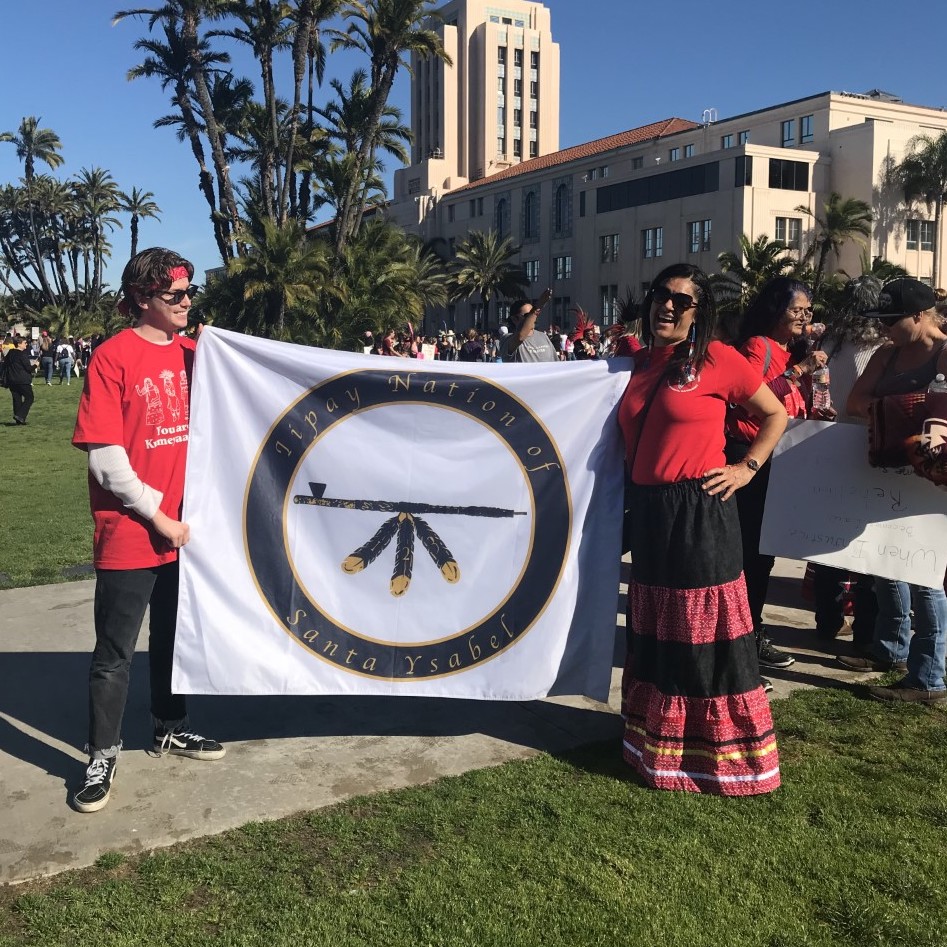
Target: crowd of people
<point x="700" y="418"/>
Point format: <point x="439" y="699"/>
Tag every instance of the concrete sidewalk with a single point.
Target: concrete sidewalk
<point x="284" y="754"/>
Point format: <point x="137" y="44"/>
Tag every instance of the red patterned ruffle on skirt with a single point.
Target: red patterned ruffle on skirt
<point x="690" y="616"/>
<point x="722" y="745"/>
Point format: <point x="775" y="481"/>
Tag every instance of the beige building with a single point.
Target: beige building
<point x="601" y="219"/>
<point x="495" y="106"/>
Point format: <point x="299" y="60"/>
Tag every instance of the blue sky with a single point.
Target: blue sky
<point x="624" y="64"/>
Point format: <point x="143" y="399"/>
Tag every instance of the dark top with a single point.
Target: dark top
<point x="19" y="370"/>
<point x="914" y="379"/>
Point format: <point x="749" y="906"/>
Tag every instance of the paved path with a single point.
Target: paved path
<point x="284" y="754"/>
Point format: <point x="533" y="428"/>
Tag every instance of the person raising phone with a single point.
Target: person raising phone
<point x="524" y="343"/>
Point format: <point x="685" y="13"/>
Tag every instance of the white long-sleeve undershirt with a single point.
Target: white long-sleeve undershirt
<point x="110" y="466"/>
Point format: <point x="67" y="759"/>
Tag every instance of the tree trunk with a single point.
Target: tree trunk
<point x="301" y="41"/>
<point x="938" y="213"/>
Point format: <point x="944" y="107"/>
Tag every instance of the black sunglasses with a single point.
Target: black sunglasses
<point x="680" y="301"/>
<point x="174" y="296"/>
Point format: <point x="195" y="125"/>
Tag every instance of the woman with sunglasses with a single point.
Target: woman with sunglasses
<point x="696" y="716"/>
<point x="772" y="337"/>
<point x="917" y="353"/>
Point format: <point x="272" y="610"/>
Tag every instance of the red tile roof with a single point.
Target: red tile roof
<point x="669" y="126"/>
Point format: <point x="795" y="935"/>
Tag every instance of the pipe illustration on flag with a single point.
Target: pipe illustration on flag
<point x="313" y="473"/>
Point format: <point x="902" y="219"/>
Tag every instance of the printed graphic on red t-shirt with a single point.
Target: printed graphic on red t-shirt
<point x="136" y="395"/>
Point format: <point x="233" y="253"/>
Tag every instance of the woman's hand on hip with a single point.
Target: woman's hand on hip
<point x="726" y="480"/>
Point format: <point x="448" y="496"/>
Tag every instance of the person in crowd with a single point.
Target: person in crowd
<point x="65" y="359"/>
<point x="586" y="346"/>
<point x="47" y="357"/>
<point x="917" y="353"/>
<point x="472" y="349"/>
<point x="19" y="379"/>
<point x="138" y="385"/>
<point x="772" y="339"/>
<point x="696" y="715"/>
<point x="524" y="342"/>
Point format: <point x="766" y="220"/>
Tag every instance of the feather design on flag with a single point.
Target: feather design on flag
<point x="404" y="555"/>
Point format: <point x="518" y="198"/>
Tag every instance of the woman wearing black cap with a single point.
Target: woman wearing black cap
<point x="916" y="355"/>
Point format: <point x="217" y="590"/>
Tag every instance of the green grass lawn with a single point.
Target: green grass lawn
<point x="852" y="850"/>
<point x="45" y="523"/>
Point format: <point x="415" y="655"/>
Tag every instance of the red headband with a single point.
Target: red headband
<point x="175" y="273"/>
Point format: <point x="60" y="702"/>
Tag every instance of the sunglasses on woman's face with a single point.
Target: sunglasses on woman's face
<point x="680" y="301"/>
<point x="173" y="297"/>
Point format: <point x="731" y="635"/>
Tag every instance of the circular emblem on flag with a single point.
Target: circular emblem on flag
<point x="407" y="525"/>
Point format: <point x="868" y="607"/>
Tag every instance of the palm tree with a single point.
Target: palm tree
<point x="743" y="274"/>
<point x="387" y="31"/>
<point x="485" y="267"/>
<point x="139" y="204"/>
<point x="843" y="219"/>
<point x="923" y="176"/>
<point x="283" y="271"/>
<point x="35" y="144"/>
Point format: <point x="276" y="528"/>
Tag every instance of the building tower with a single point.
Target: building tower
<point x="497" y="105"/>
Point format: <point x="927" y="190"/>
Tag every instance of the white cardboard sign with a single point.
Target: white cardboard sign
<point x="826" y="504"/>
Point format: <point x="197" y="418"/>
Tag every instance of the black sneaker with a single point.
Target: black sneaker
<point x="97" y="787"/>
<point x="771" y="657"/>
<point x="187" y="743"/>
<point x="767" y="685"/>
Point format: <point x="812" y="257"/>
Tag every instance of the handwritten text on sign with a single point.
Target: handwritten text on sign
<point x="826" y="504"/>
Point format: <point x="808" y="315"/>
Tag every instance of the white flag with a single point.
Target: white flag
<point x="371" y="525"/>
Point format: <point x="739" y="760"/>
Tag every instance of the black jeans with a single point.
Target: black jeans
<point x="826" y="589"/>
<point x="121" y="597"/>
<point x="750" y="502"/>
<point x="22" y="400"/>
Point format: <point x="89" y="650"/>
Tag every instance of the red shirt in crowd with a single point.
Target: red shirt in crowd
<point x="683" y="434"/>
<point x="137" y="395"/>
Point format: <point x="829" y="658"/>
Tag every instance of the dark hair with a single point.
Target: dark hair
<point x="149" y="272"/>
<point x="767" y="308"/>
<point x="705" y="316"/>
<point x="518" y="304"/>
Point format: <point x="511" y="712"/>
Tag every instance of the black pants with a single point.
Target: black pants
<point x="22" y="400"/>
<point x="826" y="588"/>
<point x="121" y="597"/>
<point x="750" y="502"/>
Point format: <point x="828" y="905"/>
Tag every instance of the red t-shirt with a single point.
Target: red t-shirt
<point x="744" y="427"/>
<point x="684" y="427"/>
<point x="137" y="395"/>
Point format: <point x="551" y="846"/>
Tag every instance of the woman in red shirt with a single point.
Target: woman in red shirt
<point x="772" y="338"/>
<point x="696" y="717"/>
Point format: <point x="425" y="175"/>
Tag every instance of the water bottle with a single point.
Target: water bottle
<point x="821" y="394"/>
<point x="935" y="403"/>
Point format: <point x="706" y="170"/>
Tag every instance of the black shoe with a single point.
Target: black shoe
<point x="771" y="657"/>
<point x="97" y="787"/>
<point x="187" y="743"/>
<point x="767" y="685"/>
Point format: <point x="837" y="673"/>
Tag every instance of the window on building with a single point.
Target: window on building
<point x="414" y="186"/>
<point x="743" y="171"/>
<point x="534" y="89"/>
<point x="531" y="270"/>
<point x="473" y="208"/>
<point x="501" y="115"/>
<point x="743" y="137"/>
<point x="674" y="154"/>
<point x="787" y="133"/>
<point x="788" y="175"/>
<point x="480" y="207"/>
<point x="604" y="170"/>
<point x="533" y="149"/>
<point x="450" y="213"/>
<point x="501" y="55"/>
<point x="534" y="60"/>
<point x="560" y="310"/>
<point x="608" y="247"/>
<point x="652" y="242"/>
<point x="562" y="267"/>
<point x="705" y="228"/>
<point x="476" y="315"/>
<point x="637" y="163"/>
<point x="560" y="209"/>
<point x="517" y="57"/>
<point x="517" y="87"/>
<point x="927" y="234"/>
<point x="912" y="230"/>
<point x="688" y="151"/>
<point x="789" y="231"/>
<point x="530" y="216"/>
<point x="592" y="174"/>
<point x="533" y="119"/>
<point x="581" y="203"/>
<point x="499" y="223"/>
<point x="517" y="147"/>
<point x="517" y="117"/>
<point x="806" y="129"/>
<point x="501" y="146"/>
<point x="693" y="236"/>
<point x="726" y="141"/>
<point x="609" y="304"/>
